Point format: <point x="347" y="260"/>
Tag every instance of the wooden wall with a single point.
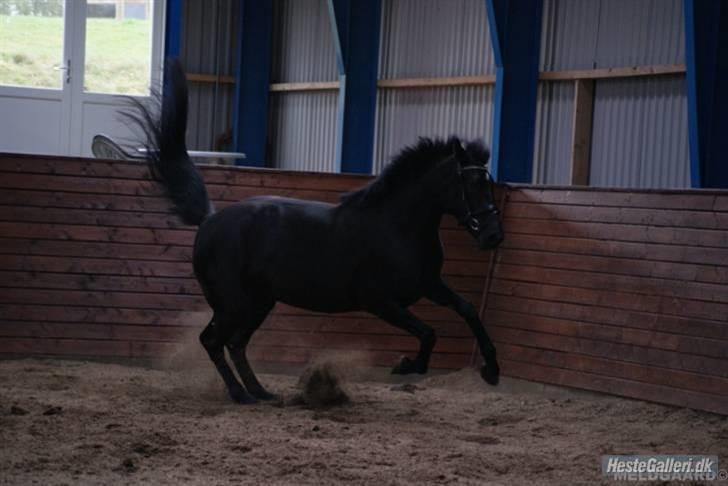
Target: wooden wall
<point x="92" y="263"/>
<point x="624" y="292"/>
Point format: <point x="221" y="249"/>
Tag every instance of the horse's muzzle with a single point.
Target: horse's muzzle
<point x="490" y="241"/>
<point x="490" y="235"/>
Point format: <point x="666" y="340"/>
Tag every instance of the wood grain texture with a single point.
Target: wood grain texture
<point x="481" y="80"/>
<point x="92" y="262"/>
<point x="582" y="131"/>
<point x="624" y="292"/>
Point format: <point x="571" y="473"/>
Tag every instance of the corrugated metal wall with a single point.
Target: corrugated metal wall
<point x="208" y="47"/>
<point x="640" y="32"/>
<point x="640" y="133"/>
<point x="303" y="44"/>
<point x="403" y="115"/>
<point x="302" y="131"/>
<point x="421" y="38"/>
<point x="428" y="38"/>
<point x="592" y="34"/>
<point x="554" y="119"/>
<point x="586" y="34"/>
<point x="302" y="134"/>
<point x="569" y="34"/>
<point x="433" y="38"/>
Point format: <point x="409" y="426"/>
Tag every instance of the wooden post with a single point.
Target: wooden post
<point x="582" y="131"/>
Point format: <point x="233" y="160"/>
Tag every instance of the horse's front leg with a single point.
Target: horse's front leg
<point x="444" y="295"/>
<point x="402" y="318"/>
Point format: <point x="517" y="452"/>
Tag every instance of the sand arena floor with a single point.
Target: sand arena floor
<point x="79" y="422"/>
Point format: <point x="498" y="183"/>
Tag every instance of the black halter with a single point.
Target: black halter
<point x="472" y="218"/>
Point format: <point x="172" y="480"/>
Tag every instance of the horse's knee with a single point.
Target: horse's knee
<point x="238" y="341"/>
<point x="210" y="340"/>
<point x="468" y="311"/>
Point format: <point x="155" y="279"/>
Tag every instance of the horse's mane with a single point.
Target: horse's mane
<point x="410" y="164"/>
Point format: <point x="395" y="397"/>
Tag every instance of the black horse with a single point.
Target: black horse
<point x="378" y="250"/>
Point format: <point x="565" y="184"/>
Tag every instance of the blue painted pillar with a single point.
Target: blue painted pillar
<point x="706" y="53"/>
<point x="515" y="31"/>
<point x="356" y="25"/>
<point x="252" y="79"/>
<point x="173" y="29"/>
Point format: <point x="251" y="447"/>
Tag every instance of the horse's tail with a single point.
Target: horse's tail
<point x="169" y="162"/>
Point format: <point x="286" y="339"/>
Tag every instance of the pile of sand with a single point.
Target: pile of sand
<point x="321" y="386"/>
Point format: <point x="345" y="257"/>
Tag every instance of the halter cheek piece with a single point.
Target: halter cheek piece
<point x="471" y="220"/>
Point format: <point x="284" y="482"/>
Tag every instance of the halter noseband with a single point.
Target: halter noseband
<point x="472" y="218"/>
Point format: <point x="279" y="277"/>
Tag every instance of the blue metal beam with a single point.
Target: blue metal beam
<point x="706" y="53"/>
<point x="515" y="31"/>
<point x="173" y="29"/>
<point x="356" y="25"/>
<point x="252" y="79"/>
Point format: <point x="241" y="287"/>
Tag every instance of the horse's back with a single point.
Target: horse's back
<point x="289" y="249"/>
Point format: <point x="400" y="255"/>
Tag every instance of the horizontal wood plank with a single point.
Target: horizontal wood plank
<point x="621" y="352"/>
<point x="16" y="246"/>
<point x="645" y="286"/>
<point x="714" y="329"/>
<point x="658" y="200"/>
<point x="613" y="72"/>
<point x="619" y="369"/>
<point x="682" y="344"/>
<point x="618" y="300"/>
<point x="607" y="248"/>
<point x="673" y="218"/>
<point x="681" y="272"/>
<point x="619" y="232"/>
<point x="615" y="386"/>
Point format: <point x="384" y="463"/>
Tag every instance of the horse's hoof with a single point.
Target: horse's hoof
<point x="407" y="366"/>
<point x="242" y="397"/>
<point x="490" y="373"/>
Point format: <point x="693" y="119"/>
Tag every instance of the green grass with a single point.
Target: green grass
<point x="29" y="48"/>
<point x="117" y="53"/>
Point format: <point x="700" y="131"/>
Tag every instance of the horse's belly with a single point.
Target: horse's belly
<point x="317" y="302"/>
<point x="318" y="280"/>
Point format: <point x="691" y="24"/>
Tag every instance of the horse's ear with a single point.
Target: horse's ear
<point x="478" y="152"/>
<point x="458" y="149"/>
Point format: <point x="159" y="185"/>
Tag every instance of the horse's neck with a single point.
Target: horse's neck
<point x="414" y="209"/>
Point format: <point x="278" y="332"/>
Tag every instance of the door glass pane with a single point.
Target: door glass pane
<point x="31" y="43"/>
<point x="118" y="46"/>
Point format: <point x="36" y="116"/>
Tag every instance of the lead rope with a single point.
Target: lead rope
<point x="489" y="276"/>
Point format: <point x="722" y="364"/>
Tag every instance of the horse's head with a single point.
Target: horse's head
<point x="471" y="196"/>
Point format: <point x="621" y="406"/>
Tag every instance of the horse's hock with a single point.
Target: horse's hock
<point x="623" y="292"/>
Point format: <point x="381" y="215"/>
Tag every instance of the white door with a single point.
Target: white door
<point x="66" y="67"/>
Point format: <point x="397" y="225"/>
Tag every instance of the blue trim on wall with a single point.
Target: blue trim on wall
<point x="252" y="81"/>
<point x="515" y="30"/>
<point x="357" y="24"/>
<point x="339" y="19"/>
<point x="494" y="10"/>
<point x="173" y="29"/>
<point x="693" y="141"/>
<point x="706" y="56"/>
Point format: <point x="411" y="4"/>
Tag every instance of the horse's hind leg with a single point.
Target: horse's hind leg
<point x="213" y="339"/>
<point x="237" y="346"/>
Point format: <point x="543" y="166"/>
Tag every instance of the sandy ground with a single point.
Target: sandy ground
<point x="75" y="422"/>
